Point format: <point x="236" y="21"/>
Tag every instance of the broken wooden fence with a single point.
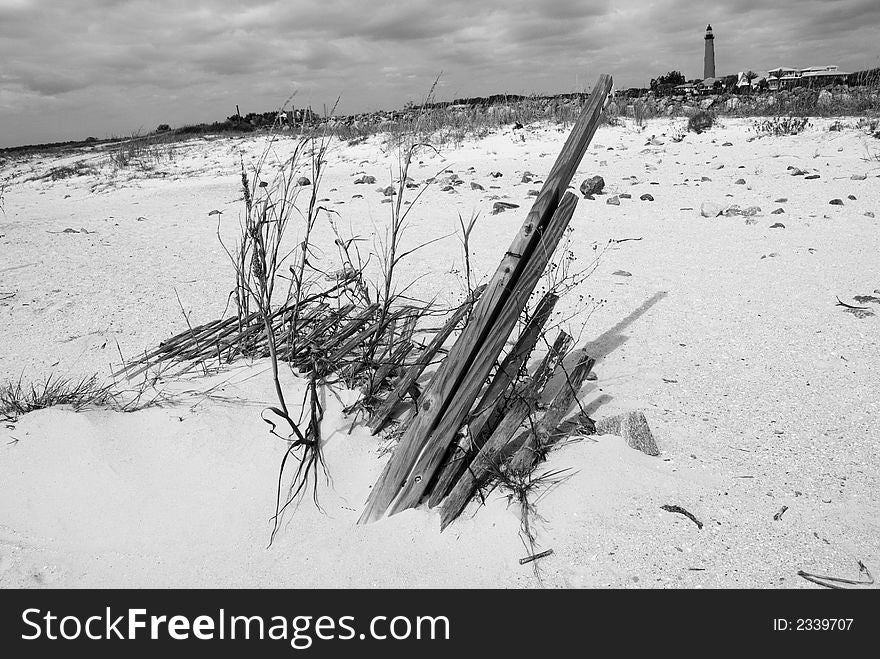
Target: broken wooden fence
<point x="419" y="458"/>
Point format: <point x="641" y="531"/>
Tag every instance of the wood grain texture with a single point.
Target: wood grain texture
<point x="454" y="370"/>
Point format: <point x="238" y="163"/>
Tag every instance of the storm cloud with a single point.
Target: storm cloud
<point x="99" y="67"/>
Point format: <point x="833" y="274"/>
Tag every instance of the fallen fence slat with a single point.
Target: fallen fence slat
<point x="470" y="345"/>
<point x="494" y="401"/>
<point x="415" y="370"/>
<point x="498" y="445"/>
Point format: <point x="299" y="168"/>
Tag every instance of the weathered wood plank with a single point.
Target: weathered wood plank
<point x="497" y="447"/>
<point x="415" y="370"/>
<point x="463" y="396"/>
<point x="544" y="434"/>
<point x="494" y="401"/>
<point x="454" y="369"/>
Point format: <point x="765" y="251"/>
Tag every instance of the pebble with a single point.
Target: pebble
<point x="778" y="211"/>
<point x="811" y="177"/>
<point x="836" y="202"/>
<point x="740" y="181"/>
<point x="613" y="201"/>
<point x="592" y="185"/>
<point x="303" y="181"/>
<point x="501" y="206"/>
<point x="710" y="209"/>
<point x="476" y="186"/>
<point x="777" y="225"/>
<point x="646" y="197"/>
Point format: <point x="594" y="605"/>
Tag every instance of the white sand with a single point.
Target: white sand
<point x="760" y="391"/>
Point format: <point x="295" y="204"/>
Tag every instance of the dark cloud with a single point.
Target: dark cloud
<point x="99" y="66"/>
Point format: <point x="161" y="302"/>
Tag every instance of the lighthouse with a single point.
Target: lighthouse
<point x="709" y="57"/>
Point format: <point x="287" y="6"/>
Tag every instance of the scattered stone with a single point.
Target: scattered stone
<point x="389" y="191"/>
<point x="527" y="177"/>
<point x="646" y="197"/>
<point x="592" y="186"/>
<point x="501" y="206"/>
<point x="778" y="211"/>
<point x="795" y="171"/>
<point x="622" y="273"/>
<point x="625" y="195"/>
<point x="303" y="181"/>
<point x="705" y="179"/>
<point x="533" y="193"/>
<point x="777" y="225"/>
<point x="496" y="174"/>
<point x="447" y="188"/>
<point x="740" y="181"/>
<point x="858" y="177"/>
<point x="836" y="202"/>
<point x="851" y="197"/>
<point x="357" y="196"/>
<point x="476" y="186"/>
<point x="727" y="144"/>
<point x="613" y="201"/>
<point x="710" y="209"/>
<point x="751" y="220"/>
<point x="781" y="200"/>
<point x="368" y="180"/>
<point x="633" y="427"/>
<point x="869" y="214"/>
<point x="811" y="177"/>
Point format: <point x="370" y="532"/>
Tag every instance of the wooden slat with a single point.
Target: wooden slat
<point x="494" y="401"/>
<point x="497" y="446"/>
<point x="544" y="434"/>
<point x="453" y="371"/>
<point x="462" y="398"/>
<point x="415" y="370"/>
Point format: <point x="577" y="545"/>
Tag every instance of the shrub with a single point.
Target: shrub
<point x="700" y="121"/>
<point x="781" y="126"/>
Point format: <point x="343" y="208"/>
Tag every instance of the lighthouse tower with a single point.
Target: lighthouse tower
<point x="709" y="57"/>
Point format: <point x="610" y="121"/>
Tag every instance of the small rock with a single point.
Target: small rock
<point x="646" y="197"/>
<point x="501" y="206"/>
<point x="777" y="225"/>
<point x="795" y="171"/>
<point x="811" y="177"/>
<point x="727" y="144"/>
<point x="303" y="181"/>
<point x="710" y="209"/>
<point x="740" y="181"/>
<point x="836" y="202"/>
<point x="476" y="186"/>
<point x="858" y="177"/>
<point x="369" y="180"/>
<point x="622" y="273"/>
<point x="869" y="214"/>
<point x="705" y="179"/>
<point x="389" y="191"/>
<point x="496" y="174"/>
<point x="751" y="220"/>
<point x="633" y="427"/>
<point x="447" y="188"/>
<point x="625" y="195"/>
<point x="781" y="200"/>
<point x="851" y="197"/>
<point x="778" y="211"/>
<point x="592" y="185"/>
<point x="613" y="201"/>
<point x="527" y="177"/>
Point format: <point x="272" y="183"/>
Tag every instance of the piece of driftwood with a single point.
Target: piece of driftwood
<point x="682" y="511"/>
<point x="440" y="404"/>
<point x="535" y="557"/>
<point x="832" y="582"/>
<point x="494" y="401"/>
<point x="633" y="427"/>
<point x="415" y="370"/>
<point x="499" y="446"/>
<point x="544" y="435"/>
<point x="462" y="398"/>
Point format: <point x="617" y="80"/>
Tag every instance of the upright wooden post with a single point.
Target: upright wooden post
<point x="454" y="375"/>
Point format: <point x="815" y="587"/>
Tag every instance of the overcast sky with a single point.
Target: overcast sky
<point x="74" y="68"/>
